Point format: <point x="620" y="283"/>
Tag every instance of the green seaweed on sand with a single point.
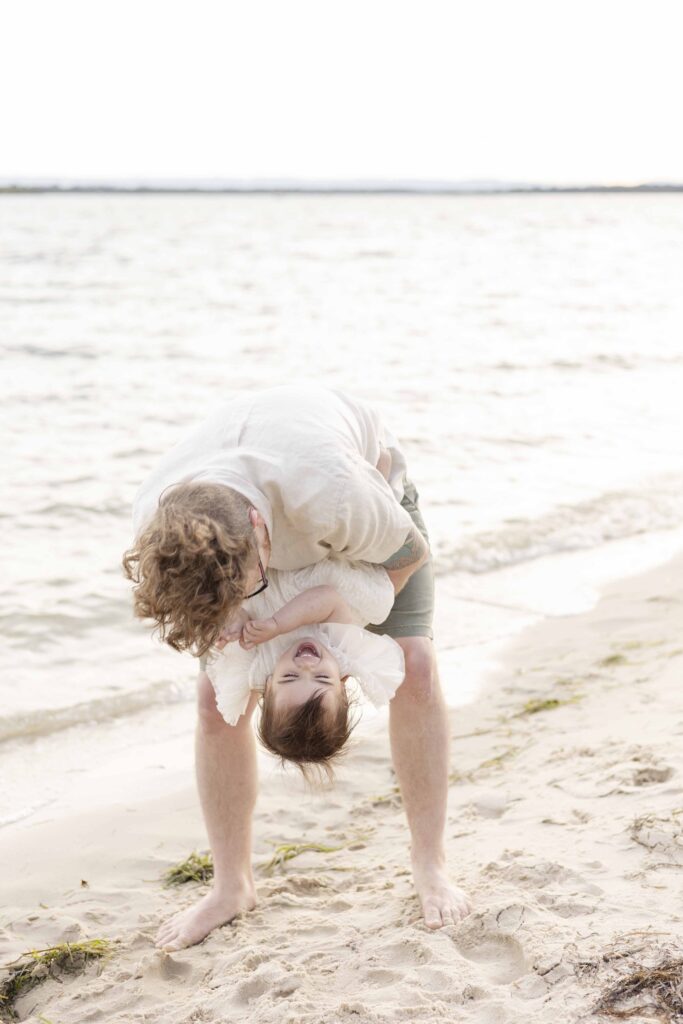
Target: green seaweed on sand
<point x="498" y="760"/>
<point x="490" y="764"/>
<point x="654" y="993"/>
<point x="36" y="965"/>
<point x="287" y="851"/>
<point x="536" y="704"/>
<point x="393" y="798"/>
<point x="612" y="660"/>
<point x="198" y="867"/>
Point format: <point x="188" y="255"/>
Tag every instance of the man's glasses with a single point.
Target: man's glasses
<point x="264" y="581"/>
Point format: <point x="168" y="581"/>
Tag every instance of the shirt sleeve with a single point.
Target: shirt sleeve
<point x="229" y="672"/>
<point x="376" y="662"/>
<point x="370" y="524"/>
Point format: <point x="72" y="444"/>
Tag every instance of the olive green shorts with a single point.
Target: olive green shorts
<point x="412" y="613"/>
<point x="413" y="610"/>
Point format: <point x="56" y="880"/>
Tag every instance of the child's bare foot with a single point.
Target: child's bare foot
<point x="195" y="923"/>
<point x="441" y="902"/>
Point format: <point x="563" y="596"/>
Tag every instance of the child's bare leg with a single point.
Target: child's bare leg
<point x="227" y="783"/>
<point x="419" y="733"/>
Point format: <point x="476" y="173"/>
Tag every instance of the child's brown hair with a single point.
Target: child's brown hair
<point x="311" y="735"/>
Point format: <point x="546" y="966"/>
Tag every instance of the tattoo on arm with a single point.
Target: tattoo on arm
<point x="411" y="552"/>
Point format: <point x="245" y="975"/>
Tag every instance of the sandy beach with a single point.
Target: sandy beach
<point x="564" y="825"/>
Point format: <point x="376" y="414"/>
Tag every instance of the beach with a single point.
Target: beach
<point x="564" y="826"/>
<point x="526" y="353"/>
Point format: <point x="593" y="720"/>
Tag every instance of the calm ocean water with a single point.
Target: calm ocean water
<point x="527" y="350"/>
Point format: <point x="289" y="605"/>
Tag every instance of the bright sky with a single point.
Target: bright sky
<point x="543" y="90"/>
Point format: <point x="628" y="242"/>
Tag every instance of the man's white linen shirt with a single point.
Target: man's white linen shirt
<point x="305" y="456"/>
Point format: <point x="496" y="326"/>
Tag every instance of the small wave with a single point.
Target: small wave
<point x="42" y="352"/>
<point x="376" y="254"/>
<point x="25" y="812"/>
<point x="41" y="628"/>
<point x="615" y="515"/>
<point x="74" y="511"/>
<point x="49" y="720"/>
<point x="134" y="453"/>
<point x="591" y="361"/>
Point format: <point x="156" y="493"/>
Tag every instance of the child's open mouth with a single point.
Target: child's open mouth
<point x="307" y="648"/>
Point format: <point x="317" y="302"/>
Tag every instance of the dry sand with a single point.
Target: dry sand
<point x="565" y="825"/>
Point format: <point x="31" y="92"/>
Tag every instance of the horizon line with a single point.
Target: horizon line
<point x="288" y="185"/>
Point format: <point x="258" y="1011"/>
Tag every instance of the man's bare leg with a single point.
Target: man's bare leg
<point x="227" y="783"/>
<point x="420" y="737"/>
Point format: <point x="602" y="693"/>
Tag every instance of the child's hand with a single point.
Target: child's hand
<point x="257" y="631"/>
<point x="233" y="629"/>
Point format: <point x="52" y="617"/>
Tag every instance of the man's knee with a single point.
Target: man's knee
<point x="209" y="717"/>
<point x="421" y="682"/>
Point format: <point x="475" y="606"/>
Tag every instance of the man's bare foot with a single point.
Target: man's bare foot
<point x="195" y="923"/>
<point x="441" y="902"/>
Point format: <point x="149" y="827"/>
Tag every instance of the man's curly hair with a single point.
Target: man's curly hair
<point x="190" y="563"/>
<point x="311" y="735"/>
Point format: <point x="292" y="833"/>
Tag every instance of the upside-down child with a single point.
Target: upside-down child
<point x="297" y="642"/>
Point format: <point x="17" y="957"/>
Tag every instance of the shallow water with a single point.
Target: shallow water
<point x="527" y="350"/>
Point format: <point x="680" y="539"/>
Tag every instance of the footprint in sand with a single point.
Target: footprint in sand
<point x="379" y="977"/>
<point x="267" y="978"/>
<point x="170" y="969"/>
<point x="564" y="907"/>
<point x="339" y="905"/>
<point x="652" y="774"/>
<point x="294" y="884"/>
<point x="408" y="953"/>
<point x="316" y="931"/>
<point x="614" y="768"/>
<point x="660" y="835"/>
<point x="538" y="874"/>
<point x="491" y="804"/>
<point x="499" y="957"/>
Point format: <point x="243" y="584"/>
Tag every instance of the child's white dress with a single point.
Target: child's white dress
<point x="375" y="661"/>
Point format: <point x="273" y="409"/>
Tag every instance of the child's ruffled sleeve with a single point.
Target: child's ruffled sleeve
<point x="229" y="671"/>
<point x="377" y="662"/>
<point x="365" y="587"/>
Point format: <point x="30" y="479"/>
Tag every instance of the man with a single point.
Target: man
<point x="285" y="477"/>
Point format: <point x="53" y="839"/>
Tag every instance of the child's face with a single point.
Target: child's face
<point x="305" y="668"/>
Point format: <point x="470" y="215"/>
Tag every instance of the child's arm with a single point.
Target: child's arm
<point x="319" y="604"/>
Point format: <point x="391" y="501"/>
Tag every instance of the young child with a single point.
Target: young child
<point x="298" y="642"/>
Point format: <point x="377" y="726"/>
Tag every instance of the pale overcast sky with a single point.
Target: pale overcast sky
<point x="543" y="90"/>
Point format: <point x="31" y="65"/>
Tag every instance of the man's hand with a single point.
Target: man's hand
<point x="257" y="631"/>
<point x="407" y="560"/>
<point x="232" y="631"/>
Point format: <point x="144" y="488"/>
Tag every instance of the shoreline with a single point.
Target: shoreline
<point x="647" y="188"/>
<point x="477" y="617"/>
<point x="565" y="788"/>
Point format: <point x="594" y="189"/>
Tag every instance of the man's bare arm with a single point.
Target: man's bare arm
<point x="407" y="560"/>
